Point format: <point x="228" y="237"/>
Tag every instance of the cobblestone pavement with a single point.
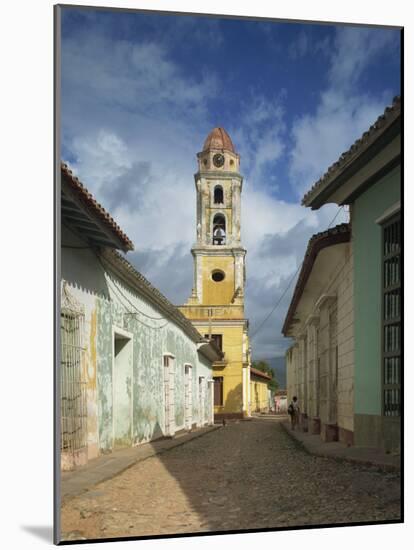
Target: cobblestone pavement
<point x="246" y="475"/>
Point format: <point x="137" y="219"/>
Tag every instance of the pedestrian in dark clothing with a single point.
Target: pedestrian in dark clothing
<point x="294" y="412"/>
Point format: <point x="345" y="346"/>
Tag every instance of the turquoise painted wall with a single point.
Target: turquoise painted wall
<point x="149" y="344"/>
<point x="366" y="235"/>
<point x="104" y="373"/>
<point x="111" y="301"/>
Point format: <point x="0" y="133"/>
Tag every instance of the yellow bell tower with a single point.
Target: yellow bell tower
<point x="216" y="305"/>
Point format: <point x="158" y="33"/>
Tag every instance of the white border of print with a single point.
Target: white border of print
<point x="27" y="281"/>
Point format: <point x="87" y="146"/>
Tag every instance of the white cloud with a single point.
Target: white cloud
<point x="305" y="45"/>
<point x="259" y="134"/>
<point x="344" y="112"/>
<point x="299" y="47"/>
<point x="321" y="138"/>
<point x="102" y="158"/>
<point x="355" y="48"/>
<point x="133" y="122"/>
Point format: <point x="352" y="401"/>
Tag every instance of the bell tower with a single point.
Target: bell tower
<point x="216" y="305"/>
<point x="219" y="272"/>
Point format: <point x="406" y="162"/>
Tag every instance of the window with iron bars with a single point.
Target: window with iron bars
<point x="391" y="317"/>
<point x="72" y="385"/>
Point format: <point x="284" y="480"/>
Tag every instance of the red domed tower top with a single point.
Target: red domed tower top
<point x="218" y="138"/>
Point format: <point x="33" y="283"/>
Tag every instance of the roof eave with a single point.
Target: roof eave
<point x="86" y="202"/>
<point x="260" y="374"/>
<point x="130" y="275"/>
<point x="376" y="138"/>
<point x="317" y="243"/>
<point x="209" y="351"/>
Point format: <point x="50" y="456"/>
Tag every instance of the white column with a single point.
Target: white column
<point x="316" y="372"/>
<point x="198" y="220"/>
<point x="301" y="370"/>
<point x="236" y="212"/>
<point x="198" y="277"/>
<point x="249" y="404"/>
<point x="239" y="271"/>
<point x="296" y="370"/>
<point x="211" y="386"/>
<point x="204" y="201"/>
<point x="244" y="388"/>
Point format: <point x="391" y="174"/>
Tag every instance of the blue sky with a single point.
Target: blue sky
<point x="140" y="92"/>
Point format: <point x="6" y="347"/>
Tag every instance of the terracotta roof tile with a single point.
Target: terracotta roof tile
<point x="218" y="138"/>
<point x="123" y="266"/>
<point x="91" y="203"/>
<point x="339" y="234"/>
<point x="384" y="120"/>
<point x="260" y="373"/>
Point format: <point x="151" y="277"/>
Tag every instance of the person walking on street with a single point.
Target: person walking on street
<point x="294" y="412"/>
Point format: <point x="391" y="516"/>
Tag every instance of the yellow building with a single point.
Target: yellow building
<point x="259" y="390"/>
<point x="216" y="305"/>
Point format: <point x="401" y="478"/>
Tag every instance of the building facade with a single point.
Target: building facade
<point x="132" y="367"/>
<point x="367" y="178"/>
<point x="216" y="305"/>
<point x="280" y="401"/>
<point x="320" y="318"/>
<point x="259" y="391"/>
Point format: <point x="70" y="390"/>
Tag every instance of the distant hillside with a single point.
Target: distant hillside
<point x="277" y="364"/>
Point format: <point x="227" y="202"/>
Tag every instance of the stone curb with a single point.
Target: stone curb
<point x="338" y="457"/>
<point x="170" y="443"/>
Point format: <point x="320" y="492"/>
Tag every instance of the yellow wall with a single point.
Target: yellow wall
<point x="232" y="372"/>
<point x="199" y="313"/>
<point x="258" y="395"/>
<point x="218" y="293"/>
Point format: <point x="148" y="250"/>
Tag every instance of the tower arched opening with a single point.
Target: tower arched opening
<point x="219" y="229"/>
<point x="218" y="195"/>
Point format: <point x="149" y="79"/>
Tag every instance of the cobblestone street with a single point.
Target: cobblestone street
<point x="245" y="475"/>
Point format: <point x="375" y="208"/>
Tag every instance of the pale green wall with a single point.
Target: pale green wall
<point x="108" y="302"/>
<point x="366" y="235"/>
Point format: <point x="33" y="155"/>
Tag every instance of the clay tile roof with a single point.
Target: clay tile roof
<point x="90" y="202"/>
<point x="335" y="235"/>
<point x="218" y="138"/>
<point x="391" y="113"/>
<point x="136" y="279"/>
<point x="260" y="373"/>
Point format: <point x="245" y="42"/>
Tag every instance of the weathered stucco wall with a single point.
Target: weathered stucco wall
<point x="110" y="307"/>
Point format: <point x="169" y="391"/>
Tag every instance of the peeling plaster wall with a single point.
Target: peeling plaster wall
<point x="110" y="304"/>
<point x="205" y="371"/>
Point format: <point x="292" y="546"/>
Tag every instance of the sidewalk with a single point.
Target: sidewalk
<point x="369" y="456"/>
<point x="106" y="466"/>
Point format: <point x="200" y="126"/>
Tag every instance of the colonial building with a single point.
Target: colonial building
<point x="260" y="394"/>
<point x="216" y="305"/>
<point x="132" y="367"/>
<point x="354" y="369"/>
<point x="319" y="319"/>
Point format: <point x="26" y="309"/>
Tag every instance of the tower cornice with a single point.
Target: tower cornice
<point x="218" y="175"/>
<point x="212" y="250"/>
